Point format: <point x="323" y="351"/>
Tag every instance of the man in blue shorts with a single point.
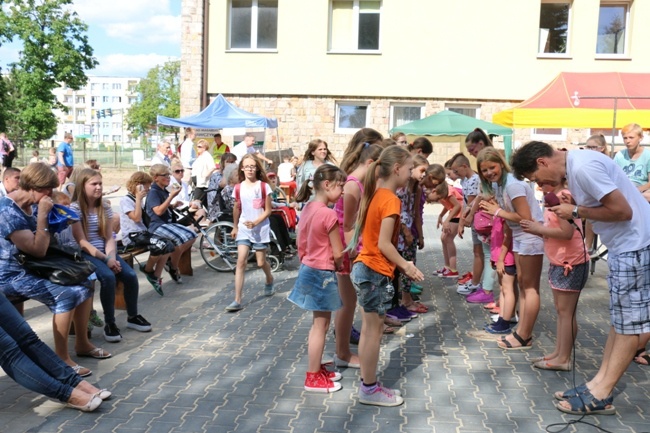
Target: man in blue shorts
<point x="618" y="211"/>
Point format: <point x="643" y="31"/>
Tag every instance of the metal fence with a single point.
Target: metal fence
<point x="108" y="156"/>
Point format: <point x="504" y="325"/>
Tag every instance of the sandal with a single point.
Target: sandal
<point x="390" y="321"/>
<point x="645" y="357"/>
<point x="388" y="330"/>
<point x="97" y="353"/>
<point x="417" y="307"/>
<point x="81" y="371"/>
<point x="580" y="389"/>
<point x="587" y="404"/>
<point x="523" y="344"/>
<point x="546" y="365"/>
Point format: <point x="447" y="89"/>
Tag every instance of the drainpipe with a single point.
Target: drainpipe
<point x="204" y="77"/>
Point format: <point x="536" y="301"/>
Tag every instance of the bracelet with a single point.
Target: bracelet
<point x="45" y="229"/>
<point x="497" y="212"/>
<point x="108" y="257"/>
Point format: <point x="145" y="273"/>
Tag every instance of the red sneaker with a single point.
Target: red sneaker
<point x="447" y="273"/>
<point x="334" y="376"/>
<point x="317" y="382"/>
<point x="465" y="278"/>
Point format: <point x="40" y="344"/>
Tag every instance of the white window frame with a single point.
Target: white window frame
<point x="403" y="104"/>
<point x="541" y="54"/>
<point x="355" y="29"/>
<point x="339" y="104"/>
<point x="254" y="18"/>
<point x="477" y="107"/>
<point x="626" y="43"/>
<point x="548" y="137"/>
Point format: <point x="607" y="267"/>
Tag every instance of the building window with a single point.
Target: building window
<point x="80" y="100"/>
<point x="117" y="86"/>
<point x="401" y="114"/>
<point x="471" y="110"/>
<point x="94" y="86"/>
<point x="554" y="27"/>
<point x="351" y="116"/>
<point x="612" y="28"/>
<point x="117" y="99"/>
<point x="106" y="86"/>
<point x="133" y="100"/>
<point x="551" y="134"/>
<point x="104" y="98"/>
<point x="354" y="25"/>
<point x="105" y="138"/>
<point x="117" y="138"/>
<point x="93" y="99"/>
<point x="106" y="124"/>
<point x="81" y="113"/>
<point x="253" y="24"/>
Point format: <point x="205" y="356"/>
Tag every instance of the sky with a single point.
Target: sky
<point x="129" y="37"/>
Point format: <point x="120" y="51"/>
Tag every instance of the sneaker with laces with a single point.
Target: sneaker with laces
<point x="402" y="314"/>
<point x="155" y="282"/>
<point x="480" y="296"/>
<point x="379" y="396"/>
<point x="95" y="320"/>
<point x="448" y="273"/>
<point x="318" y="382"/>
<point x="112" y="333"/>
<point x="467" y="277"/>
<point x="334" y="376"/>
<point x="440" y="271"/>
<point x="176" y="275"/>
<point x="138" y="323"/>
<point x="468" y="288"/>
<point x="268" y="289"/>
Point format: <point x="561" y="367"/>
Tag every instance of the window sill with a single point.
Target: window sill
<point x="347" y="131"/>
<point x="554" y="56"/>
<point x="612" y="57"/>
<point x="244" y="50"/>
<point x="362" y="52"/>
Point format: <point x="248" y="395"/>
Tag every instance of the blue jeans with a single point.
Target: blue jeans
<point x="108" y="280"/>
<point x="29" y="361"/>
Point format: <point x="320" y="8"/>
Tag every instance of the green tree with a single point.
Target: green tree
<point x="55" y="50"/>
<point x="159" y="94"/>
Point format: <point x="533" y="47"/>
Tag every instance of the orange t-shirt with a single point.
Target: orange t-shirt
<point x="446" y="202"/>
<point x="383" y="205"/>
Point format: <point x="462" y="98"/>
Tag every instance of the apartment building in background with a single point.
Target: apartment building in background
<point x="325" y="68"/>
<point x="98" y="110"/>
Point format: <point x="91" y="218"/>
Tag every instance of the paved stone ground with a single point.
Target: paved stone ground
<point x="204" y="370"/>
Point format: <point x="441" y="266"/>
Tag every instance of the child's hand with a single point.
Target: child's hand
<point x="408" y="238"/>
<point x="412" y="272"/>
<point x="501" y="267"/>
<point x="439" y="221"/>
<point x="446" y="228"/>
<point x="530" y="226"/>
<point x="233" y="233"/>
<point x="461" y="229"/>
<point x="420" y="243"/>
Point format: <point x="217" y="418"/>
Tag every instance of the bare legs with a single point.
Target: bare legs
<point x="371" y="331"/>
<point x="61" y="328"/>
<point x="343" y="319"/>
<point x="316" y="342"/>
<point x="567" y="327"/>
<point x="242" y="260"/>
<point x="478" y="265"/>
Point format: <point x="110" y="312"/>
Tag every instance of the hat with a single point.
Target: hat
<point x="270" y="174"/>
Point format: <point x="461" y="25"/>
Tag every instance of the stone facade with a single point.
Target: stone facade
<point x="191" y="56"/>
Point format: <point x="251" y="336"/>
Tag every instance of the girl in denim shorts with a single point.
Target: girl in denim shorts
<point x="378" y="223"/>
<point x="321" y="253"/>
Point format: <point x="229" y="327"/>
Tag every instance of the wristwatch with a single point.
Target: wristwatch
<point x="574" y="214"/>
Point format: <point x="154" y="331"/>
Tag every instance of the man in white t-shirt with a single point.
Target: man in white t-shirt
<point x="605" y="196"/>
<point x="247" y="146"/>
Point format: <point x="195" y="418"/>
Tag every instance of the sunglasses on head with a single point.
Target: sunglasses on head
<point x="179" y="171"/>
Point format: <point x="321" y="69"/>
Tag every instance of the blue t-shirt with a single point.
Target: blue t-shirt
<point x="66" y="149"/>
<point x="155" y="198"/>
<point x="636" y="170"/>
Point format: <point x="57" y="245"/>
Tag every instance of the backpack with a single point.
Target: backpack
<point x="238" y="198"/>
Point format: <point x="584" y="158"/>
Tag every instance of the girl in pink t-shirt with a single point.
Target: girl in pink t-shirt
<point x="567" y="274"/>
<point x="321" y="254"/>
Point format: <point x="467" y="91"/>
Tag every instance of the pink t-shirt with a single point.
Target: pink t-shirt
<point x="561" y="251"/>
<point x="496" y="241"/>
<point x="314" y="247"/>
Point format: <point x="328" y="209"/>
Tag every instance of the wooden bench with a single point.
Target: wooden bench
<point x="184" y="266"/>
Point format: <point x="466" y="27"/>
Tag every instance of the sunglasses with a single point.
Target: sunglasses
<point x="164" y="175"/>
<point x="179" y="171"/>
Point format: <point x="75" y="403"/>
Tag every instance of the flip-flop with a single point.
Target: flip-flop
<point x="524" y="344"/>
<point x="587" y="404"/>
<point x="97" y="353"/>
<point x="388" y="330"/>
<point x="645" y="357"/>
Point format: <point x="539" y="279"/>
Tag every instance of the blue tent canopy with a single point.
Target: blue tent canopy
<point x="220" y="114"/>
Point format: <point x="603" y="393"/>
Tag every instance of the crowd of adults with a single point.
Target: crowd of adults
<point x="611" y="195"/>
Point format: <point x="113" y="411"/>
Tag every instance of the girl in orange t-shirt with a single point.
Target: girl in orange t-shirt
<point x="378" y="223"/>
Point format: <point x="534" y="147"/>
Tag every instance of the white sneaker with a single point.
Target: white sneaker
<point x="468" y="288"/>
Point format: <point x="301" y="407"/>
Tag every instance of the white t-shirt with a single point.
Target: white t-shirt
<point x="127" y="225"/>
<point x="506" y="194"/>
<point x="188" y="154"/>
<point x="250" y="195"/>
<point x="241" y="149"/>
<point x="470" y="186"/>
<point x="201" y="168"/>
<point x="184" y="195"/>
<point x="284" y="172"/>
<point x="591" y="176"/>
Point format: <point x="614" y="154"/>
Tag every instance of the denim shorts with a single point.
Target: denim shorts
<point x="316" y="290"/>
<point x="374" y="291"/>
<point x="255" y="246"/>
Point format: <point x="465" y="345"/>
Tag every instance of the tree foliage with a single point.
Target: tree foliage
<point x="55" y="50"/>
<point x="159" y="94"/>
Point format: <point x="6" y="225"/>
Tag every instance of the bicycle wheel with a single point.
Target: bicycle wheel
<point x="218" y="249"/>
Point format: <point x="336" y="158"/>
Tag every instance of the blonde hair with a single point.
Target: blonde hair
<point x="490" y="154"/>
<point x="158" y="170"/>
<point x="382" y="168"/>
<point x="79" y="196"/>
<point x="632" y="128"/>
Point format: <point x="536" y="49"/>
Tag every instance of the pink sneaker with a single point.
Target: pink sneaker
<point x="447" y="273"/>
<point x="480" y="297"/>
